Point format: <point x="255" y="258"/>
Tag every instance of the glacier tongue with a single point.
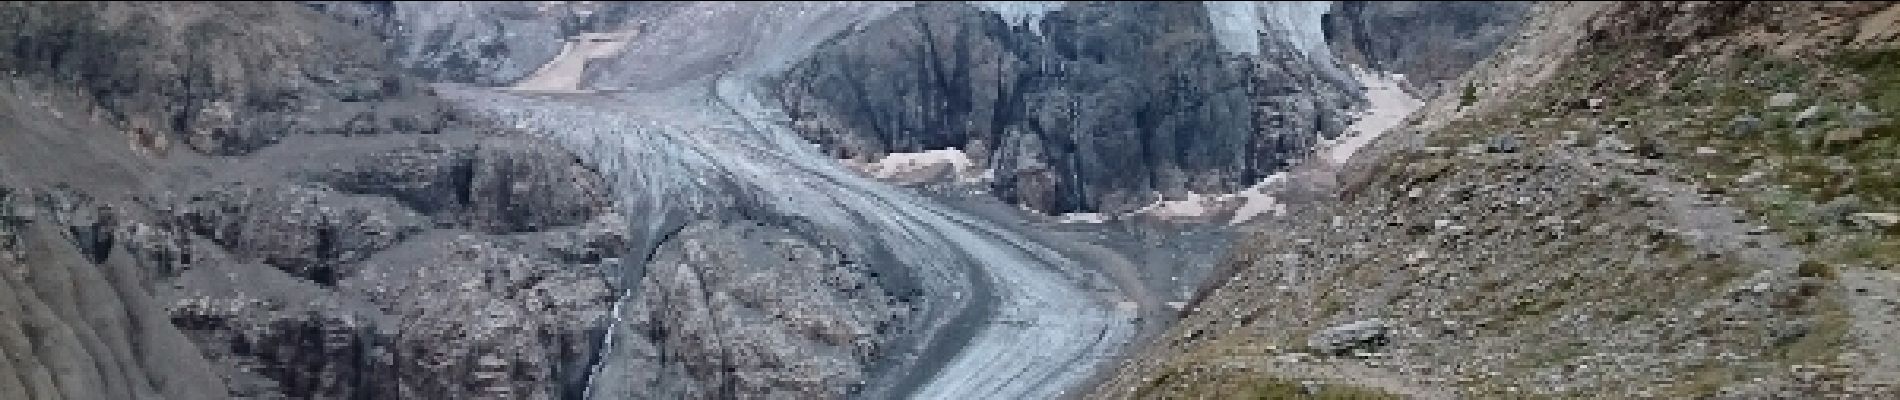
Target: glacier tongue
<point x="1238" y="25"/>
<point x="691" y="139"/>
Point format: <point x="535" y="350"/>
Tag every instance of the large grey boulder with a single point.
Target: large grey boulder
<point x="173" y="71"/>
<point x="1367" y="335"/>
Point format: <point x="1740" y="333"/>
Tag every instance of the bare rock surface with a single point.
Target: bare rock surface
<point x="501" y="185"/>
<point x="307" y="232"/>
<point x="1101" y="107"/>
<point x="215" y="200"/>
<point x="1429" y="42"/>
<point x="754" y="311"/>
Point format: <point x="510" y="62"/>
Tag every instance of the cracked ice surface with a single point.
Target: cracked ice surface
<point x="1071" y="331"/>
<point x="1238" y="24"/>
<point x="1023" y="13"/>
<point x="692" y="139"/>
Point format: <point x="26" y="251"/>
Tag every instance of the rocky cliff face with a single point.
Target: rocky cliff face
<point x="214" y="100"/>
<point x="1467" y="255"/>
<point x="329" y="229"/>
<point x="1430" y="42"/>
<point x="748" y="310"/>
<point x="80" y="320"/>
<point x="1090" y="110"/>
<point x="333" y="229"/>
<point x="489" y="43"/>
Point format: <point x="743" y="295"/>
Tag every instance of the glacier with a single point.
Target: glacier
<point x="688" y="136"/>
<point x="1238" y="25"/>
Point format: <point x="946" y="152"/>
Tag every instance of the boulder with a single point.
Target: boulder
<point x="1743" y="125"/>
<point x="1362" y="336"/>
<point x="1502" y="144"/>
<point x="1782" y="100"/>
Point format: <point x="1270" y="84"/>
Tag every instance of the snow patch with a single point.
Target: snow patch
<point x="1195" y="205"/>
<point x="1245" y="205"/>
<point x="1390" y="105"/>
<point x="1083" y="218"/>
<point x="563" y="73"/>
<point x="1259" y="199"/>
<point x="922" y="165"/>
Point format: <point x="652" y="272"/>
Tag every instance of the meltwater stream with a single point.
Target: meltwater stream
<point x="691" y="138"/>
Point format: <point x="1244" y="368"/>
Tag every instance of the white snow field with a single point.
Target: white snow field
<point x="1389" y="106"/>
<point x="921" y="166"/>
<point x="563" y="73"/>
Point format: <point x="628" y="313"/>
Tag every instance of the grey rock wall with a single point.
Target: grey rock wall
<point x="330" y="229"/>
<point x="744" y="309"/>
<point x="489" y="43"/>
<point x="179" y="80"/>
<point x="1431" y="42"/>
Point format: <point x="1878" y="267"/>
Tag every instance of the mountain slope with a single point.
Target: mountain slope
<point x="1622" y="202"/>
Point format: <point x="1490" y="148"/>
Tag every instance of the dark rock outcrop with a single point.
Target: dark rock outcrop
<point x="490" y="43"/>
<point x="311" y="233"/>
<point x="1430" y="42"/>
<point x="747" y="310"/>
<point x="1092" y="113"/>
<point x="267" y="263"/>
<point x="496" y="186"/>
<point x="178" y="78"/>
